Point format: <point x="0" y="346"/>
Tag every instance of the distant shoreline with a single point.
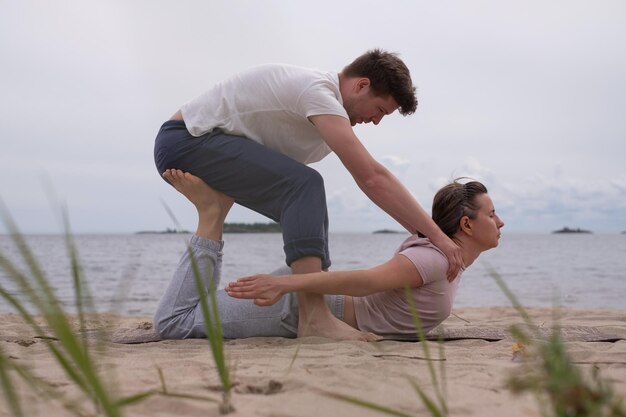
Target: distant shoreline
<point x="163" y="232"/>
<point x="385" y="231"/>
<point x="270" y="227"/>
<point x="568" y="230"/>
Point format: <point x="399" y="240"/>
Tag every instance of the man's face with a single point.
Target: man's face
<point x="364" y="107"/>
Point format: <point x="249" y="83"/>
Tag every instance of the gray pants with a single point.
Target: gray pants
<point x="257" y="177"/>
<point x="179" y="314"/>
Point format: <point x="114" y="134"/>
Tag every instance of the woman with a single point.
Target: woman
<point x="373" y="300"/>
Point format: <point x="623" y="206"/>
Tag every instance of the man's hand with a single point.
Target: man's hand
<point x="452" y="252"/>
<point x="264" y="289"/>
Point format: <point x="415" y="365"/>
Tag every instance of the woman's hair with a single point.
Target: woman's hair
<point x="454" y="201"/>
<point x="389" y="76"/>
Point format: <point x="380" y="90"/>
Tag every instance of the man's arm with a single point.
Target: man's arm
<point x="398" y="272"/>
<point x="382" y="187"/>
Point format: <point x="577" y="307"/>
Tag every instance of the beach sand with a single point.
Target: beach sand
<point x="269" y="382"/>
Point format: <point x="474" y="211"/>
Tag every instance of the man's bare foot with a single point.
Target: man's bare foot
<point x="197" y="191"/>
<point x="327" y="325"/>
<point x="212" y="205"/>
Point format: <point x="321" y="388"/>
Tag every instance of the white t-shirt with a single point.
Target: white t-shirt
<point x="387" y="313"/>
<point x="270" y="104"/>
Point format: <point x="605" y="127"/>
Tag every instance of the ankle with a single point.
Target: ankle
<point x="210" y="228"/>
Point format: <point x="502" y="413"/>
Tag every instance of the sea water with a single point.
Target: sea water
<point x="127" y="274"/>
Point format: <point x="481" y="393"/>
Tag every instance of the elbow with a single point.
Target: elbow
<point x="369" y="184"/>
<point x="373" y="180"/>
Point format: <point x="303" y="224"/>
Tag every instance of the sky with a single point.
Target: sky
<point x="527" y="96"/>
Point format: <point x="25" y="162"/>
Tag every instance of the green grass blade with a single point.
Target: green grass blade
<point x="71" y="353"/>
<point x="366" y="404"/>
<point x="295" y="356"/>
<point x="78" y="286"/>
<point x="422" y="338"/>
<point x="512" y="298"/>
<point x="135" y="398"/>
<point x="212" y="323"/>
<point x="6" y="383"/>
<point x="213" y="326"/>
<point x="213" y="329"/>
<point x="206" y="312"/>
<point x="190" y="397"/>
<point x="22" y="282"/>
<point x="430" y="404"/>
<point x="162" y="380"/>
<point x="442" y="375"/>
<point x="21" y="310"/>
<point x="43" y="288"/>
<point x="28" y="318"/>
<point x="45" y="389"/>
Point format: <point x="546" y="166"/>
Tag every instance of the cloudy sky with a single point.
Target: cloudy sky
<point x="528" y="96"/>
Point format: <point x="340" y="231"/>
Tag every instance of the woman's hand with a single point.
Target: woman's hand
<point x="264" y="289"/>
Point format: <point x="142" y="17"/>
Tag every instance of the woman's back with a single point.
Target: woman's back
<point x="388" y="314"/>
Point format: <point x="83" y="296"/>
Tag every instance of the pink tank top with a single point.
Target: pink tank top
<point x="387" y="313"/>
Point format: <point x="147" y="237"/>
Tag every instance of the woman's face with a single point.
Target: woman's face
<point x="486" y="226"/>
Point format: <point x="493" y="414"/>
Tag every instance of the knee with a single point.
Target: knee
<point x="309" y="179"/>
<point x="168" y="327"/>
<point x="161" y="326"/>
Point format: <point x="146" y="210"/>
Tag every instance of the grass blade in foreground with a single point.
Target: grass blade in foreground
<point x="212" y="321"/>
<point x="366" y="404"/>
<point x="213" y="328"/>
<point x="68" y="348"/>
<point x="437" y="407"/>
<point x="550" y="375"/>
<point x="442" y="408"/>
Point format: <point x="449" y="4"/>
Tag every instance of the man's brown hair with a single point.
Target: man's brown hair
<point x="388" y="75"/>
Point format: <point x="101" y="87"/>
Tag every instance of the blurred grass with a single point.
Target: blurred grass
<point x="212" y="321"/>
<point x="435" y="405"/>
<point x="213" y="328"/>
<point x="559" y="386"/>
<point x="68" y="347"/>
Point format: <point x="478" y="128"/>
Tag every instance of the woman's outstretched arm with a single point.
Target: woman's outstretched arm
<point x="265" y="289"/>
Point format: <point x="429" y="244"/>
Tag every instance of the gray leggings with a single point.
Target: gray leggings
<point x="257" y="177"/>
<point x="179" y="315"/>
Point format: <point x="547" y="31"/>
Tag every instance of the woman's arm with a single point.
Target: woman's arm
<point x="267" y="289"/>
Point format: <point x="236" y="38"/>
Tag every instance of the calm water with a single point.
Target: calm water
<point x="127" y="273"/>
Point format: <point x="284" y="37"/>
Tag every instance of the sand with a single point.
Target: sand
<point x="269" y="382"/>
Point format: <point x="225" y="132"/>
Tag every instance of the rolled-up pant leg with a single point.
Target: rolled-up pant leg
<point x="257" y="177"/>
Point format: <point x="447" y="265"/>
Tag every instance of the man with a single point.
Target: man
<point x="252" y="135"/>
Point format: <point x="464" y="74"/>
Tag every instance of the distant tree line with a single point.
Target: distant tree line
<point x="270" y="227"/>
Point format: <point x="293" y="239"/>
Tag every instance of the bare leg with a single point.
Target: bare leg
<point x="212" y="205"/>
<point x="315" y="318"/>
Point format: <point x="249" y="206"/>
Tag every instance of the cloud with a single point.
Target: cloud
<point x="397" y="165"/>
<point x="535" y="111"/>
<point x="539" y="202"/>
<point x="532" y="203"/>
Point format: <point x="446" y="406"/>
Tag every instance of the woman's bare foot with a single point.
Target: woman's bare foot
<point x="212" y="205"/>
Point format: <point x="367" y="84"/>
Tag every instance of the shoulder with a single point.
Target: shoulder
<point x="290" y="71"/>
<point x="306" y="82"/>
<point x="430" y="262"/>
